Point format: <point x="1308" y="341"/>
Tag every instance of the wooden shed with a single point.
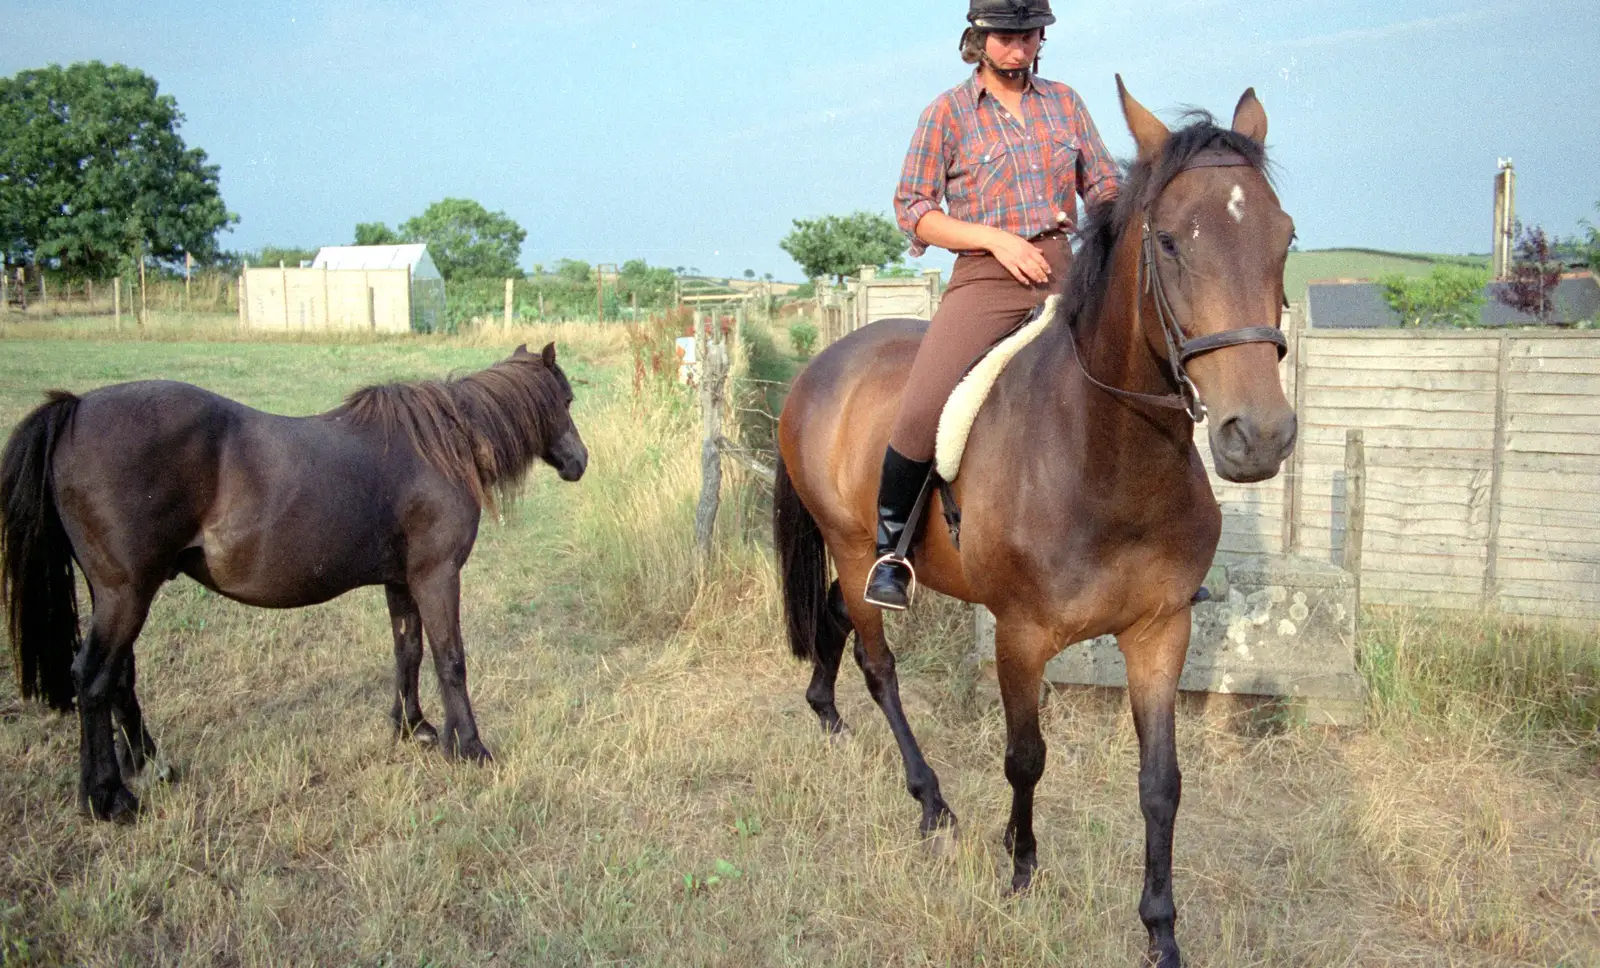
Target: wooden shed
<point x="381" y="288"/>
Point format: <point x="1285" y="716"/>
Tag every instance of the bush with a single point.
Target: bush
<point x="1447" y="296"/>
<point x="803" y="337"/>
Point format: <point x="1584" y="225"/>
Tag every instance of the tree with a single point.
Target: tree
<point x="836" y="245"/>
<point x="1447" y="296"/>
<point x="653" y="287"/>
<point x="574" y="272"/>
<point x="376" y="233"/>
<point x="1591" y="244"/>
<point x="749" y="273"/>
<point x="467" y="240"/>
<point x="1535" y="273"/>
<point x="93" y="172"/>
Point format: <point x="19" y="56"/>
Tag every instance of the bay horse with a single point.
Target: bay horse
<point x="1085" y="508"/>
<point x="139" y="482"/>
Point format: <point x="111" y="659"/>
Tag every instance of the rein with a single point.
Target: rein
<point x="1180" y="348"/>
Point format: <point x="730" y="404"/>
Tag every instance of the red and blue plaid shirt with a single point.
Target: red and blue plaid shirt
<point x="1020" y="176"/>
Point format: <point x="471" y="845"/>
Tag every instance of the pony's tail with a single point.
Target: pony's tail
<point x="802" y="567"/>
<point x="36" y="572"/>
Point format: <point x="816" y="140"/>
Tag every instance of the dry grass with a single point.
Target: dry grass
<point x="662" y="796"/>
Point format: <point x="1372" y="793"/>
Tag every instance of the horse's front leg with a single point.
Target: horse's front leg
<point x="1021" y="650"/>
<point x="1154" y="653"/>
<point x="438" y="597"/>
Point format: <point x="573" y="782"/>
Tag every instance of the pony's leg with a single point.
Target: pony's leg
<point x="831" y="636"/>
<point x="406" y="621"/>
<point x="1155" y="657"/>
<point x="98" y="672"/>
<point x="135" y="745"/>
<point x="1021" y="650"/>
<point x="438" y="598"/>
<point x="877" y="666"/>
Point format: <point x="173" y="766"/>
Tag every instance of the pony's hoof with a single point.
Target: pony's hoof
<point x="472" y="751"/>
<point x="840" y="733"/>
<point x="423" y="733"/>
<point x="1168" y="958"/>
<point x="1021" y="883"/>
<point x="118" y="806"/>
<point x="943" y="842"/>
<point x="160" y="771"/>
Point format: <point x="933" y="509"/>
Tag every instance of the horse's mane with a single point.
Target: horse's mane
<point x="481" y="430"/>
<point x="1086" y="283"/>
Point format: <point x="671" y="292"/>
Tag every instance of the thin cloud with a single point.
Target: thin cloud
<point x="1386" y="31"/>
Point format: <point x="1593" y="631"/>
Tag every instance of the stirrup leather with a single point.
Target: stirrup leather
<point x="911" y="586"/>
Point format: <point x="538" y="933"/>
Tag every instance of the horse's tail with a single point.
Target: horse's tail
<point x="36" y="571"/>
<point x="802" y="566"/>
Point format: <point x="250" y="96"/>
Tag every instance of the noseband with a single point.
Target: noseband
<point x="1180" y="348"/>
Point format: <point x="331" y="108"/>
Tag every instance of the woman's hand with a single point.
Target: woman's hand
<point x="1025" y="263"/>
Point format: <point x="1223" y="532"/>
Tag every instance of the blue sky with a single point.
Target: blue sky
<point x="691" y="133"/>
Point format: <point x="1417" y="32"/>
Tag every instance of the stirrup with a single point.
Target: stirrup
<point x="911" y="586"/>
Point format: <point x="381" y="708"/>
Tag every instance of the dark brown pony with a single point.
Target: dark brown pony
<point x="1086" y="509"/>
<point x="139" y="482"/>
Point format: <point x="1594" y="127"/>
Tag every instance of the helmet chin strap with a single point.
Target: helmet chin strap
<point x="1009" y="73"/>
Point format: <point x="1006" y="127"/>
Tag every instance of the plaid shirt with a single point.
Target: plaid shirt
<point x="1023" y="177"/>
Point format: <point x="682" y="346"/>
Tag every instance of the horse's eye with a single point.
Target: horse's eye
<point x="1168" y="244"/>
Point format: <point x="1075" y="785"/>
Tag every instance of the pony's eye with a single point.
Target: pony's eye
<point x="1168" y="244"/>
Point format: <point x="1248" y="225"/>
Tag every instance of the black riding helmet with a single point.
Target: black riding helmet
<point x="1003" y="16"/>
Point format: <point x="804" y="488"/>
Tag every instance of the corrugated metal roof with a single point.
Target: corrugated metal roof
<point x="370" y="256"/>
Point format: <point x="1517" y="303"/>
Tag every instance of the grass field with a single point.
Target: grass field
<point x="662" y="796"/>
<point x="1306" y="267"/>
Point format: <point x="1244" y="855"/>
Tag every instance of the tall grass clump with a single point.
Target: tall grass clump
<point x="1518" y="678"/>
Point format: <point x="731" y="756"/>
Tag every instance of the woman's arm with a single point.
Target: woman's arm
<point x="1025" y="263"/>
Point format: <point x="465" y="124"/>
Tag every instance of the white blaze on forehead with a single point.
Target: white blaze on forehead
<point x="1236" y="204"/>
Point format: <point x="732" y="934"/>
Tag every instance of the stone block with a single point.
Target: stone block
<point x="1282" y="626"/>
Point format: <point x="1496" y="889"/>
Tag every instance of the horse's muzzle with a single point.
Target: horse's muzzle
<point x="569" y="457"/>
<point x="1246" y="449"/>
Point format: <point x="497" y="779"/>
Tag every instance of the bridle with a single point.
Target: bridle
<point x="1180" y="348"/>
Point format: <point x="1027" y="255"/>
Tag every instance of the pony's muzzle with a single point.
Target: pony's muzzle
<point x="569" y="457"/>
<point x="1246" y="449"/>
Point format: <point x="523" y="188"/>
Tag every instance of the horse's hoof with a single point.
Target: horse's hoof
<point x="1021" y="884"/>
<point x="423" y="733"/>
<point x="840" y="733"/>
<point x="161" y="771"/>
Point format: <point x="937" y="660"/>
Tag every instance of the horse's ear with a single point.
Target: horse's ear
<point x="520" y="351"/>
<point x="548" y="354"/>
<point x="1250" y="118"/>
<point x="1148" y="131"/>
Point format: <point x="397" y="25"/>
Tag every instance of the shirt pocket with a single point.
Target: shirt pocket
<point x="986" y="177"/>
<point x="1064" y="152"/>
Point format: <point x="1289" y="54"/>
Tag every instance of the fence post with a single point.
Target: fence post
<point x="1302" y="356"/>
<point x="116" y="302"/>
<point x="510" y="295"/>
<point x="1290" y="529"/>
<point x="710" y="368"/>
<point x="244" y="308"/>
<point x="188" y="264"/>
<point x="143" y="307"/>
<point x="1355" y="508"/>
<point x="5" y="284"/>
<point x="1491" y="563"/>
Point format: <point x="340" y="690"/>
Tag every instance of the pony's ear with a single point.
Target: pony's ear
<point x="520" y="351"/>
<point x="1250" y="118"/>
<point x="1147" y="129"/>
<point x="548" y="354"/>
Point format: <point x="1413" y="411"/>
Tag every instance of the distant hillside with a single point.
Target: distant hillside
<point x="1304" y="267"/>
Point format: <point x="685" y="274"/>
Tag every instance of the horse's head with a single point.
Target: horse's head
<point x="563" y="448"/>
<point x="1214" y="245"/>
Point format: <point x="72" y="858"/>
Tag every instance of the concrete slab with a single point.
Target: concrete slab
<point x="1283" y="626"/>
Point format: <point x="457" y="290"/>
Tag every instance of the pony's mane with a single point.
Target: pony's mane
<point x="1101" y="233"/>
<point x="481" y="430"/>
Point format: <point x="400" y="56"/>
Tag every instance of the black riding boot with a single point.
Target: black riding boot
<point x="904" y="487"/>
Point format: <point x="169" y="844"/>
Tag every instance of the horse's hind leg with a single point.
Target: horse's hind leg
<point x="831" y="635"/>
<point x="877" y="666"/>
<point x="101" y="669"/>
<point x="406" y="621"/>
<point x="135" y="746"/>
<point x="439" y="600"/>
<point x="1021" y="651"/>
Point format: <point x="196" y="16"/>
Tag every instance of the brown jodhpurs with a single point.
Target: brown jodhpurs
<point x="982" y="303"/>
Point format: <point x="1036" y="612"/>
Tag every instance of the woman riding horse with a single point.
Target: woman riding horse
<point x="1009" y="152"/>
